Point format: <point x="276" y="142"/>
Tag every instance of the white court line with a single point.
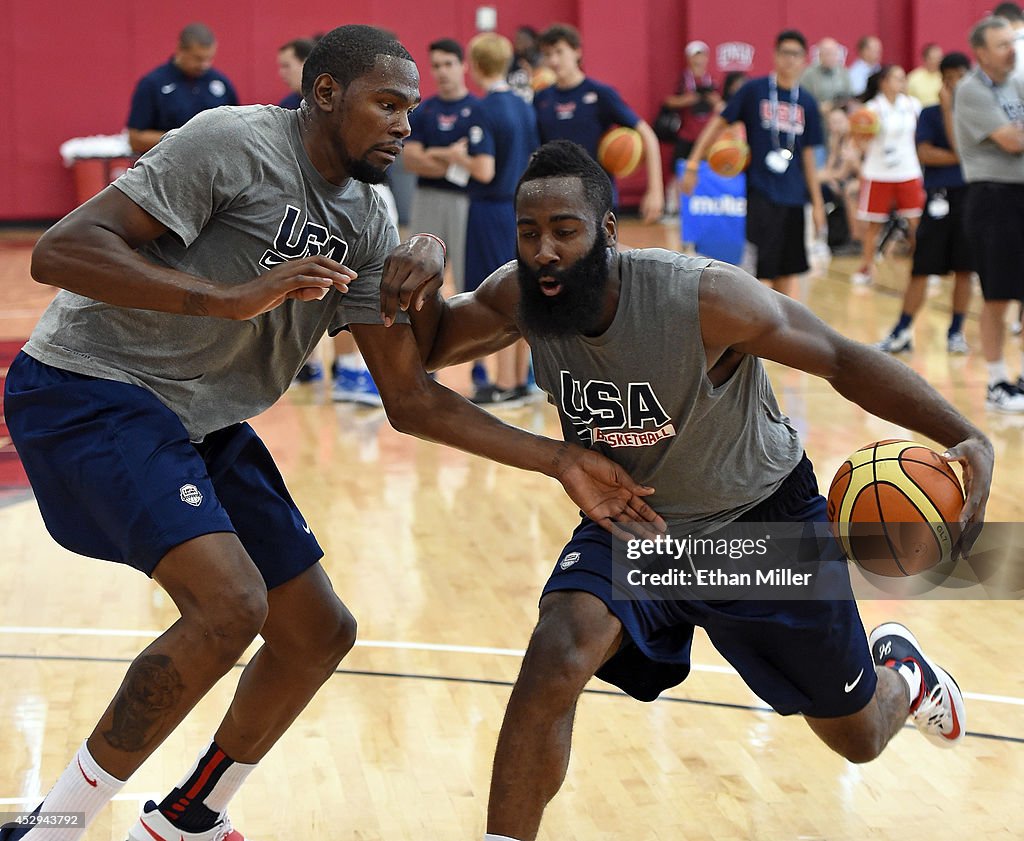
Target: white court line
<point x="411" y="646"/>
<point x="35" y="798"/>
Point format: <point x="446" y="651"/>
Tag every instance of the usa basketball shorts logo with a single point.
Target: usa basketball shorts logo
<point x="192" y="495"/>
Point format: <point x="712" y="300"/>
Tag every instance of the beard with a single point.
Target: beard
<point x="579" y="305"/>
<point x="362" y="170"/>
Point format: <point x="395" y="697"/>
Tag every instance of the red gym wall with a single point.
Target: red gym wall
<point x="69" y="67"/>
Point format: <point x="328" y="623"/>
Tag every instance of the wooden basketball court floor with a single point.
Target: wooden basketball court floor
<point x="441" y="556"/>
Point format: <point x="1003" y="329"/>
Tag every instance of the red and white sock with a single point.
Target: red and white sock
<point x="200" y="800"/>
<point x="83" y="787"/>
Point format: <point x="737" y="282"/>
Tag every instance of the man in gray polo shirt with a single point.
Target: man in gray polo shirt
<point x="988" y="121"/>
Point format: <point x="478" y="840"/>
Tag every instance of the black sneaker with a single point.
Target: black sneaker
<point x="1005" y="397"/>
<point x="938" y="709"/>
<point x="311" y="372"/>
<point x="491" y="395"/>
<point x="12" y="831"/>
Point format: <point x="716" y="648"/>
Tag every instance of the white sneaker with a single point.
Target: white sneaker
<point x="153" y="826"/>
<point x="938" y="709"/>
<point x="956" y="343"/>
<point x="897" y="341"/>
<point x="860" y="279"/>
<point x="1005" y="397"/>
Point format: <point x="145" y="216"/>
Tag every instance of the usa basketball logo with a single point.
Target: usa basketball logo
<point x="192" y="495"/>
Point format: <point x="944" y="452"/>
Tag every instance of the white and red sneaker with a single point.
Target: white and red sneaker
<point x="938" y="709"/>
<point x="153" y="826"/>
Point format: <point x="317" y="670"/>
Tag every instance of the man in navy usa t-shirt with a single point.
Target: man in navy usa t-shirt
<point x="581" y="109"/>
<point x="783" y="126"/>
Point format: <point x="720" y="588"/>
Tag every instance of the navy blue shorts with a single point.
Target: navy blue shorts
<point x="807" y="657"/>
<point x="490" y="239"/>
<point x="117" y="478"/>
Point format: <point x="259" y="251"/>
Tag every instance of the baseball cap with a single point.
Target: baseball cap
<point x="695" y="47"/>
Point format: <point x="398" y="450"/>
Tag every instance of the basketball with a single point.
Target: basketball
<point x="620" y="151"/>
<point x="543" y="77"/>
<point x="729" y="155"/>
<point x="894" y="507"/>
<point x="864" y="122"/>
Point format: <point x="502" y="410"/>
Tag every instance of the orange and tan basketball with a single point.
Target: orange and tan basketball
<point x="894" y="507"/>
<point x="620" y="151"/>
<point x="729" y="155"/>
<point x="864" y="122"/>
<point x="543" y="77"/>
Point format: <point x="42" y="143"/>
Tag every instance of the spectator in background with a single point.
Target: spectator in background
<point x="290" y="59"/>
<point x="441" y="203"/>
<point x="868" y="61"/>
<point x="827" y="80"/>
<point x="173" y="93"/>
<point x="988" y="121"/>
<point x="695" y="98"/>
<point x="925" y="82"/>
<point x="942" y="245"/>
<point x="502" y="136"/>
<point x="734" y="80"/>
<point x="783" y="127"/>
<point x="1013" y="14"/>
<point x="524" y="63"/>
<point x="840" y="183"/>
<point x="891" y="172"/>
<point x="581" y="109"/>
<point x="696" y="101"/>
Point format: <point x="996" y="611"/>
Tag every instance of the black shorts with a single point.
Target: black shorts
<point x="776" y="233"/>
<point x="942" y="244"/>
<point x="995" y="225"/>
<point x="808" y="656"/>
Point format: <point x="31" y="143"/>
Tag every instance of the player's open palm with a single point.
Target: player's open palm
<point x="305" y="279"/>
<point x="608" y="495"/>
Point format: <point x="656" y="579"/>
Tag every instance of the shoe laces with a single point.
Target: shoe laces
<point x="224" y="830"/>
<point x="933" y="713"/>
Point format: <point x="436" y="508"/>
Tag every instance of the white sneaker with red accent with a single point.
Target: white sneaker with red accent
<point x="153" y="826"/>
<point x="938" y="709"/>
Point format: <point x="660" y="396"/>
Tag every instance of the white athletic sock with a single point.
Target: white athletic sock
<point x="351" y="361"/>
<point x="83" y="787"/>
<point x="997" y="372"/>
<point x="227" y="787"/>
<point x="489" y="837"/>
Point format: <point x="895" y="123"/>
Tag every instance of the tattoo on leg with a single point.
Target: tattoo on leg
<point x="150" y="693"/>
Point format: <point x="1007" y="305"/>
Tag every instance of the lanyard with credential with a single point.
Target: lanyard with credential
<point x="773" y="103"/>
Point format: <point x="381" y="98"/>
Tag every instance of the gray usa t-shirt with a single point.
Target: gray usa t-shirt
<point x="980" y="108"/>
<point x="639" y="393"/>
<point x="239" y="195"/>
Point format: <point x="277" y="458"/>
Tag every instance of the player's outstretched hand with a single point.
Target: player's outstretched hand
<point x="977" y="457"/>
<point x="413" y="272"/>
<point x="306" y="279"/>
<point x="607" y="494"/>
